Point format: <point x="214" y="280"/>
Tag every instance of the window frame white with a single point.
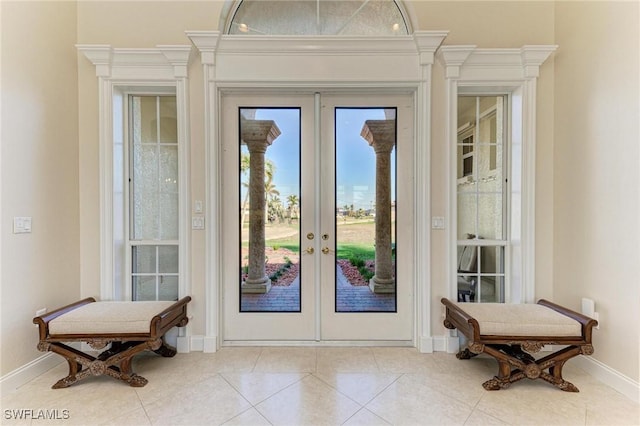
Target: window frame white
<point x="471" y="70"/>
<point x="143" y="71"/>
<point x="507" y="175"/>
<point x="127" y="285"/>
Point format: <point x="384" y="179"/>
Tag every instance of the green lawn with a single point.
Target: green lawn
<point x="345" y="251"/>
<point x="356" y="251"/>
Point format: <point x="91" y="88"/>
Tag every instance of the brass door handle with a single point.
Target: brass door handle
<point x="309" y="250"/>
<point x="325" y="250"/>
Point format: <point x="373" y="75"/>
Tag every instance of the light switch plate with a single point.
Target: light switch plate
<point x="22" y="225"/>
<point x="437" y="222"/>
<point x="197" y="222"/>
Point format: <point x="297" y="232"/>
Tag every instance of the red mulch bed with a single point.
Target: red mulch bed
<point x="277" y="263"/>
<point x="352" y="274"/>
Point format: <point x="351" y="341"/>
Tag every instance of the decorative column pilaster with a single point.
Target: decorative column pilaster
<point x="258" y="135"/>
<point x="381" y="136"/>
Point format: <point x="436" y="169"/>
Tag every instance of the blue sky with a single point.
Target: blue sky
<point x="355" y="159"/>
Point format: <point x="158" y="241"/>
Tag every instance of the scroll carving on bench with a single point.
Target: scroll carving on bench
<point x="128" y="327"/>
<point x="510" y="333"/>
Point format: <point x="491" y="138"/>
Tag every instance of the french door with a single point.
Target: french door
<point x="317" y="217"/>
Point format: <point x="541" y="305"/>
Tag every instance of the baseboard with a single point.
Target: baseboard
<point x="425" y="344"/>
<point x="207" y="344"/>
<point x="448" y="344"/>
<point x="28" y="372"/>
<point x="610" y="377"/>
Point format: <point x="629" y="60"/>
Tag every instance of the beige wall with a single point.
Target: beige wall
<point x="487" y="23"/>
<point x="597" y="174"/>
<point x="39" y="169"/>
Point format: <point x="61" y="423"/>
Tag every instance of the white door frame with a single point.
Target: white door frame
<point x="318" y="321"/>
<point x="332" y="64"/>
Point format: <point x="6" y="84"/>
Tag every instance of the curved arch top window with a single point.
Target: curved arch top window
<point x="318" y="17"/>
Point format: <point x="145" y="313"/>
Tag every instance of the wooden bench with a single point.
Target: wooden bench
<point x="510" y="332"/>
<point x="130" y="328"/>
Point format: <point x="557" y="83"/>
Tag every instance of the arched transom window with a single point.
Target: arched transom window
<point x="318" y="17"/>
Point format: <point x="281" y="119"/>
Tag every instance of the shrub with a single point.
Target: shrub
<point x="357" y="261"/>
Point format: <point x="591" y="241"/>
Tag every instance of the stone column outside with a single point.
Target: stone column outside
<point x="258" y="135"/>
<point x="381" y="136"/>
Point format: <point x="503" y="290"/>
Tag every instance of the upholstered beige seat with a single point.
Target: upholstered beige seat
<point x="108" y="317"/>
<point x="520" y="320"/>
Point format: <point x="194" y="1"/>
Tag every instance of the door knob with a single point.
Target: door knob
<point x="310" y="236"/>
<point x="309" y="250"/>
<point x="325" y="250"/>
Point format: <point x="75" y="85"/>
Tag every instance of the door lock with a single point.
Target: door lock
<point x="310" y="236"/>
<point x="325" y="237"/>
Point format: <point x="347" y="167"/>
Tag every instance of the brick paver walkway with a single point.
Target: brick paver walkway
<point x="350" y="298"/>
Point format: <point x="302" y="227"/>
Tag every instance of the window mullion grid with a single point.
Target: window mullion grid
<point x="159" y="166"/>
<point x="476" y="186"/>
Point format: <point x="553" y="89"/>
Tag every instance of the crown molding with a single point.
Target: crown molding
<point x="161" y="62"/>
<point x="470" y="63"/>
<point x="452" y="58"/>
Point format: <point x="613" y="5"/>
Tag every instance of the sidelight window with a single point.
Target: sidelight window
<point x="482" y="197"/>
<point x="153" y="197"/>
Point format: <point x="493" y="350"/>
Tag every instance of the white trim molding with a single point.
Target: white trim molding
<point x="514" y="71"/>
<point x="118" y="69"/>
<point x="618" y="381"/>
<point x="28" y="372"/>
<point x="331" y="63"/>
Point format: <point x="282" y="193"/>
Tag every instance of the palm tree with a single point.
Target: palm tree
<point x="244" y="169"/>
<point x="269" y="171"/>
<point x="271" y="193"/>
<point x="275" y="208"/>
<point x="292" y="201"/>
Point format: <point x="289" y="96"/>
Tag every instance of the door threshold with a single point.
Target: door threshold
<point x="321" y="343"/>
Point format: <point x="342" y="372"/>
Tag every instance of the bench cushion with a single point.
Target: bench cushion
<point x="108" y="318"/>
<point x="501" y="319"/>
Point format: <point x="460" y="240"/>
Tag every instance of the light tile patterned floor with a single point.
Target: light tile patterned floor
<point x="319" y="386"/>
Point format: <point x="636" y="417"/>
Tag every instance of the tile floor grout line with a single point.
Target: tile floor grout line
<point x="244" y="411"/>
<point x="359" y="410"/>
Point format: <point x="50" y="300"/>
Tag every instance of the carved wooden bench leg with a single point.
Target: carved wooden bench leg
<point x="512" y="368"/>
<point x="554" y="363"/>
<point x="76" y="360"/>
<point x="166" y="350"/>
<point x="115" y="362"/>
<point x="465" y="354"/>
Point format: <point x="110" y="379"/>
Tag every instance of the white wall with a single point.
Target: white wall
<point x="597" y="172"/>
<point x="39" y="169"/>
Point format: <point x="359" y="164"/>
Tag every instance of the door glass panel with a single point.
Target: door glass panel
<point x="269" y="165"/>
<point x="365" y="196"/>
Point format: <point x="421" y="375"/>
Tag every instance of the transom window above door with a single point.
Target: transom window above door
<point x="318" y="17"/>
